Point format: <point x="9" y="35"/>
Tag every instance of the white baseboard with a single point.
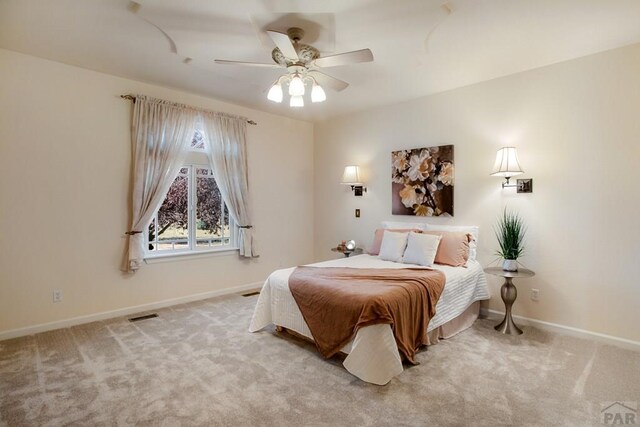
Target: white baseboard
<point x="567" y="330"/>
<point x="43" y="327"/>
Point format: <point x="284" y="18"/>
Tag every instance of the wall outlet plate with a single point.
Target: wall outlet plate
<point x="535" y="294"/>
<point x="57" y="295"/>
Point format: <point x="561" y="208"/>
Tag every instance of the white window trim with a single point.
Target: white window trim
<point x="187" y="255"/>
<point x="194" y="251"/>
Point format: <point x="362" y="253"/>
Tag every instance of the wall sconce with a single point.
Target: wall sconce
<point x="507" y="165"/>
<point x="351" y="176"/>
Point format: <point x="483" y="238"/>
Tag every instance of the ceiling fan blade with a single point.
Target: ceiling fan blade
<point x="284" y="44"/>
<point x="326" y="80"/>
<point x="363" y="55"/>
<point x="250" y="64"/>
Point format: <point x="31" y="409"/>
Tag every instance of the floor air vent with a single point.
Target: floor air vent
<point x="145" y="317"/>
<point x="250" y="294"/>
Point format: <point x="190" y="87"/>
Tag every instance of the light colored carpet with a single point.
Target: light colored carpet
<point x="197" y="365"/>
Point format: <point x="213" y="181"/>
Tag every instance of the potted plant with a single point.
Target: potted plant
<point x="510" y="233"/>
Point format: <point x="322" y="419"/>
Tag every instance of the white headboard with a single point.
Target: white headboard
<point x="404" y="225"/>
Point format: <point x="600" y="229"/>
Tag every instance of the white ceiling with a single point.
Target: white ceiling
<point x="420" y="46"/>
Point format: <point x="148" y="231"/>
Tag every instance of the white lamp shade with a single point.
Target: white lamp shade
<point x="507" y="163"/>
<point x="351" y="176"/>
<point x="296" y="87"/>
<point x="296" y="101"/>
<point x="317" y="93"/>
<point x="275" y="93"/>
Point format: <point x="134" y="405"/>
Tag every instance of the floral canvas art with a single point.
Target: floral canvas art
<point x="422" y="181"/>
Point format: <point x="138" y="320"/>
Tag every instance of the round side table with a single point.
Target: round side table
<point x="509" y="293"/>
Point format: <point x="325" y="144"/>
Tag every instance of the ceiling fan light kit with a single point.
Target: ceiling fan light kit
<point x="297" y="90"/>
<point x="302" y="62"/>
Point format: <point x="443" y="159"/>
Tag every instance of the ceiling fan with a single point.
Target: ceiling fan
<point x="302" y="62"/>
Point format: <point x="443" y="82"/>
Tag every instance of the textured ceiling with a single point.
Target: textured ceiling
<point x="420" y="47"/>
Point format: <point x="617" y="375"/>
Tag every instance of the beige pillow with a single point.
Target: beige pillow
<point x="377" y="239"/>
<point x="453" y="249"/>
<point x="471" y="229"/>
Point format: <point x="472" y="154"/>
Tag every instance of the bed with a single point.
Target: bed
<point x="373" y="354"/>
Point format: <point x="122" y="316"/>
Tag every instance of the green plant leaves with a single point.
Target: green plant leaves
<point x="510" y="232"/>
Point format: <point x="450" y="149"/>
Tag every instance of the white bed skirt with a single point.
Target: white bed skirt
<point x="373" y="354"/>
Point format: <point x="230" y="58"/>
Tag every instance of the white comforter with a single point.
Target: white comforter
<point x="373" y="354"/>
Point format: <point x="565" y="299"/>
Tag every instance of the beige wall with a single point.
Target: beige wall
<point x="64" y="169"/>
<point x="64" y="159"/>
<point x="577" y="128"/>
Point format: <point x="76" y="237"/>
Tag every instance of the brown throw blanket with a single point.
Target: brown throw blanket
<point x="335" y="302"/>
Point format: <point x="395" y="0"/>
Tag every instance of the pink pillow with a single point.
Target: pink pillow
<point x="454" y="247"/>
<point x="377" y="239"/>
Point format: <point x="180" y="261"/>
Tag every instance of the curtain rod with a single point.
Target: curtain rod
<point x="133" y="98"/>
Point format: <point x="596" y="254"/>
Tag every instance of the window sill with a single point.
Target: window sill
<point x="177" y="256"/>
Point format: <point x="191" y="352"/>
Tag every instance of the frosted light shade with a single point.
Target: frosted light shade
<point x="296" y="87"/>
<point x="296" y="101"/>
<point x="275" y="93"/>
<point x="351" y="176"/>
<point x="317" y="93"/>
<point x="507" y="163"/>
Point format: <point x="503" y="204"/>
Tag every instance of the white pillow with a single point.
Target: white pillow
<point x="471" y="229"/>
<point x="421" y="249"/>
<point x="393" y="245"/>
<point x="403" y="225"/>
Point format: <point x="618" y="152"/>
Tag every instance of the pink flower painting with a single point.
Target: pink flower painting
<point x="422" y="181"/>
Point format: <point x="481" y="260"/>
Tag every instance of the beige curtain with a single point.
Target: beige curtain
<point x="227" y="150"/>
<point x="161" y="134"/>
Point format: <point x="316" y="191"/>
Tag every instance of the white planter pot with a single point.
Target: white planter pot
<point x="510" y="265"/>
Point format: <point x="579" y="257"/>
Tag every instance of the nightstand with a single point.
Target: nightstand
<point x="346" y="252"/>
<point x="509" y="293"/>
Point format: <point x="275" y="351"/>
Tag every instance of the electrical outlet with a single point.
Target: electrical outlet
<point x="57" y="295"/>
<point x="535" y="294"/>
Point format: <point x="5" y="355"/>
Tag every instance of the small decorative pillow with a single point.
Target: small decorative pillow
<point x="393" y="246"/>
<point x="454" y="247"/>
<point x="377" y="239"/>
<point x="421" y="249"/>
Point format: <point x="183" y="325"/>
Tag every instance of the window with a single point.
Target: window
<point x="197" y="143"/>
<point x="193" y="216"/>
